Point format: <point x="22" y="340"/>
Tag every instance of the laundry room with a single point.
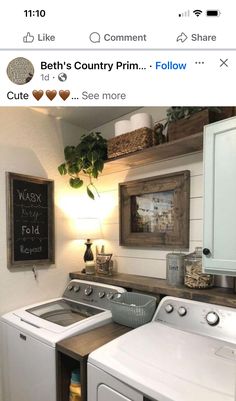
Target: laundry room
<point x="105" y="204"/>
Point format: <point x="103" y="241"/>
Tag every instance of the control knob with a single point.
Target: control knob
<point x="101" y="294"/>
<point x="212" y="318"/>
<point x="169" y="308"/>
<point x="110" y="295"/>
<point x="76" y="288"/>
<point x="70" y="287"/>
<point x="88" y="290"/>
<point x="182" y="311"/>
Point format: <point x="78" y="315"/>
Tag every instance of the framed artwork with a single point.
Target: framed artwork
<point x="30" y="220"/>
<point x="154" y="212"/>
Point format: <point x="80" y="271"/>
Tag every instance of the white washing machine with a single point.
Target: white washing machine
<point x="30" y="334"/>
<point x="187" y="353"/>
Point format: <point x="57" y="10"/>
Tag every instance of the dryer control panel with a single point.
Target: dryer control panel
<point x="198" y="317"/>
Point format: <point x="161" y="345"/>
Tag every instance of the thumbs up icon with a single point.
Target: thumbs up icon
<point x="28" y="38"/>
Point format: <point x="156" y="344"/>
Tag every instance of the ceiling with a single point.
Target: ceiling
<point x="86" y="117"/>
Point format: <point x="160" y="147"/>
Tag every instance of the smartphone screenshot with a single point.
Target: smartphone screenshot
<point x="117" y="173"/>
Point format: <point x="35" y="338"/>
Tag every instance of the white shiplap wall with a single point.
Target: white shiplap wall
<point x="149" y="262"/>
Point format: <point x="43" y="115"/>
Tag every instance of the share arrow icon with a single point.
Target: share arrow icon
<point x="182" y="37"/>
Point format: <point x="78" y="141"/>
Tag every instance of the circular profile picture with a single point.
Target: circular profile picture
<point x="20" y="71"/>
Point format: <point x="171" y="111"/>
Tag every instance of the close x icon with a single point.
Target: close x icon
<point x="224" y="62"/>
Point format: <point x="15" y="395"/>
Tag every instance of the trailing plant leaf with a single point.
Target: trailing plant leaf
<point x="99" y="164"/>
<point x="87" y="158"/>
<point x="73" y="169"/>
<point x="76" y="182"/>
<point x="69" y="153"/>
<point x="62" y="169"/>
<point x="90" y="194"/>
<point x="95" y="172"/>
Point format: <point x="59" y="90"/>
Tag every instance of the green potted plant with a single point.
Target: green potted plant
<point x="185" y="121"/>
<point x="85" y="159"/>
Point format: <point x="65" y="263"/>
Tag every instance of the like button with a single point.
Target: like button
<point x="28" y="38"/>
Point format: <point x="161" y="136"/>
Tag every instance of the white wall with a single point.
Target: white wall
<point x="32" y="143"/>
<point x="148" y="262"/>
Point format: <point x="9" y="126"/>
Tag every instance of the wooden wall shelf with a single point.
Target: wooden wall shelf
<point x="180" y="147"/>
<point x="217" y="295"/>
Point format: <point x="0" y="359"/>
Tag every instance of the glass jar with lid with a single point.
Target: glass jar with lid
<point x="194" y="277"/>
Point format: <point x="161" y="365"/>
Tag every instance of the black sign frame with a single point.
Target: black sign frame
<point x="30" y="220"/>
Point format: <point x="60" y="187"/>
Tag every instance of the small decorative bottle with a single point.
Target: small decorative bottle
<point x="75" y="386"/>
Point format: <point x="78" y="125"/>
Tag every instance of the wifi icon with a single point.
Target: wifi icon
<point x="197" y="12"/>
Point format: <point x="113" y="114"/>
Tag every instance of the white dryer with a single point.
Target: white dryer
<point x="30" y="334"/>
<point x="187" y="353"/>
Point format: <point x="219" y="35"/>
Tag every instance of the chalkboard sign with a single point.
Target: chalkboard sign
<point x="30" y="220"/>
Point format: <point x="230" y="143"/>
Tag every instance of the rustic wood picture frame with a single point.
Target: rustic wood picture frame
<point x="167" y="225"/>
<point x="30" y="220"/>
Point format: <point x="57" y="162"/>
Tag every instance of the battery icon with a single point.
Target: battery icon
<point x="213" y="13"/>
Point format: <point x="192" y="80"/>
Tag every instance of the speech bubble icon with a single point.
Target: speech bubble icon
<point x="95" y="37"/>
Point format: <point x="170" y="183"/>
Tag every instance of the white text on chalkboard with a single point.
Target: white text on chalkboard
<point x="34" y="214"/>
<point x="30" y="230"/>
<point x="29" y="196"/>
<point x="30" y="251"/>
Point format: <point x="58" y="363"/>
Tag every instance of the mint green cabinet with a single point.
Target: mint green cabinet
<point x="219" y="237"/>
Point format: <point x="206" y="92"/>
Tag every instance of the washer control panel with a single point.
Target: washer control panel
<point x="198" y="317"/>
<point x="91" y="293"/>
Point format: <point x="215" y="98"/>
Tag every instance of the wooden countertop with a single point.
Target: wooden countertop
<point x="216" y="295"/>
<point x="80" y="346"/>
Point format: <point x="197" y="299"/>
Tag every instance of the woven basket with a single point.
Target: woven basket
<point x="133" y="309"/>
<point x="130" y="142"/>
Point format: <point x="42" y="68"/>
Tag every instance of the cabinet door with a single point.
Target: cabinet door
<point x="219" y="242"/>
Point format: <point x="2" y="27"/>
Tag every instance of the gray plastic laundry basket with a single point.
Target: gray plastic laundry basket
<point x="133" y="309"/>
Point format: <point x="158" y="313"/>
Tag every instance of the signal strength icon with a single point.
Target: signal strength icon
<point x="197" y="12"/>
<point x="185" y="14"/>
